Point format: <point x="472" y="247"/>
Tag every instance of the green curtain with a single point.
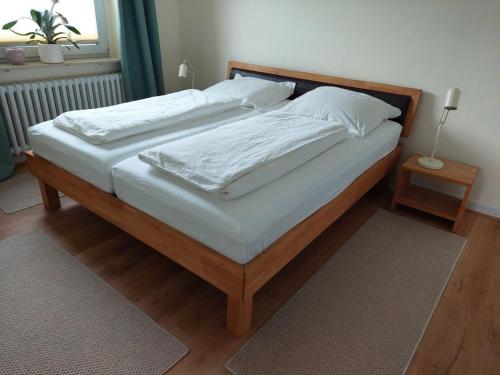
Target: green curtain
<point x="6" y="161"/>
<point x="140" y="49"/>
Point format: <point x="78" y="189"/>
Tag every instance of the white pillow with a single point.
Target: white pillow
<point x="254" y="92"/>
<point x="361" y="113"/>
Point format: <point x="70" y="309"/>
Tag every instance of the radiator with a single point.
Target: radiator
<point x="29" y="103"/>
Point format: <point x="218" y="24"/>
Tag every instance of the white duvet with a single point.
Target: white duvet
<point x="235" y="159"/>
<point x="107" y="124"/>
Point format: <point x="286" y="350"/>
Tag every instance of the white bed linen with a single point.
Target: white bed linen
<point x="233" y="160"/>
<point x="93" y="163"/>
<point x="241" y="228"/>
<point x="253" y="92"/>
<point x="108" y="124"/>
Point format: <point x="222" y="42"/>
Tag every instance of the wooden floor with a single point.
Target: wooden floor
<point x="463" y="336"/>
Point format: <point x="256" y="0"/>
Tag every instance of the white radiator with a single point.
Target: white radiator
<point x="29" y="103"/>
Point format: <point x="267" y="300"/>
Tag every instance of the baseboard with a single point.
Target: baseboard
<point x="484" y="209"/>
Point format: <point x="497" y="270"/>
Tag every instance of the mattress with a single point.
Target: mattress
<point x="93" y="163"/>
<point x="241" y="228"/>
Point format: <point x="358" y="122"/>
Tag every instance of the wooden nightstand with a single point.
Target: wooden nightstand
<point x="430" y="201"/>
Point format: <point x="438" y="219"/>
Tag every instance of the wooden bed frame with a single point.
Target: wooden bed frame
<point x="239" y="282"/>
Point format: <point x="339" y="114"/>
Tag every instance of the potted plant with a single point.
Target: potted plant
<point x="53" y="29"/>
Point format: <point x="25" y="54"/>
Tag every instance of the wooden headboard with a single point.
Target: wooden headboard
<point x="405" y="98"/>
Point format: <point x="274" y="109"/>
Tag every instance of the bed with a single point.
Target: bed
<point x="240" y="262"/>
<point x="242" y="228"/>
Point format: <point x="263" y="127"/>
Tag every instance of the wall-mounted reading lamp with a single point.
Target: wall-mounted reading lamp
<point x="184" y="71"/>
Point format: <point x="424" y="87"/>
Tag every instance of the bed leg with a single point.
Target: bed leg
<point x="239" y="316"/>
<point x="50" y="195"/>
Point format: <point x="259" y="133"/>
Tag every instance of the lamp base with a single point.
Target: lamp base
<point x="430" y="163"/>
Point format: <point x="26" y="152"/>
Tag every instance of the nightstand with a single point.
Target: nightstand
<point x="430" y="201"/>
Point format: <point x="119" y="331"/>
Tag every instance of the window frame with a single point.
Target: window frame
<point x="99" y="49"/>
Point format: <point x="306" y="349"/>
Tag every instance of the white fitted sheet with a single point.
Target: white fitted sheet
<point x="93" y="163"/>
<point x="241" y="228"/>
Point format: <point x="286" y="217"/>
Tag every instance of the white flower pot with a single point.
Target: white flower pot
<point x="50" y="53"/>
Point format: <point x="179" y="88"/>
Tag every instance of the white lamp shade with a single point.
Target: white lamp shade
<point x="183" y="70"/>
<point x="452" y="99"/>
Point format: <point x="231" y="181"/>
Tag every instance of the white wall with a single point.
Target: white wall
<point x="428" y="44"/>
<point x="168" y="27"/>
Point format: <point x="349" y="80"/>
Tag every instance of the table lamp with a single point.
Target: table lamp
<point x="451" y="104"/>
<point x="184" y="70"/>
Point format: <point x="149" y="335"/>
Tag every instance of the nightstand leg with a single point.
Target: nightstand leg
<point x="401" y="185"/>
<point x="461" y="210"/>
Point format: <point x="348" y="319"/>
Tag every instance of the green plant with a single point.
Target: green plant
<point x="53" y="27"/>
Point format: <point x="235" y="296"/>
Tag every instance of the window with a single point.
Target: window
<point x="88" y="16"/>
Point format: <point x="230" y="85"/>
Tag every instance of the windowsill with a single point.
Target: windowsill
<point x="7" y="67"/>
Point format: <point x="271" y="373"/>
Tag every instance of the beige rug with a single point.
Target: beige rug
<point x="19" y="192"/>
<point x="57" y="317"/>
<point x="364" y="311"/>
